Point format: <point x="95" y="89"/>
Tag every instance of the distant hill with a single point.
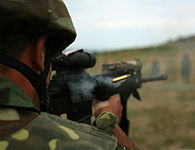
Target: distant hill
<point x="176" y="44"/>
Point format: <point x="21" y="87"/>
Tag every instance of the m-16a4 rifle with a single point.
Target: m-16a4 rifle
<point x="72" y="89"/>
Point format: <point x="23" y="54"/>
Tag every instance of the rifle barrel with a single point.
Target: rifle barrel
<point x="154" y="78"/>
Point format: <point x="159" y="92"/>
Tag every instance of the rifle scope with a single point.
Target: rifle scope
<point x="76" y="59"/>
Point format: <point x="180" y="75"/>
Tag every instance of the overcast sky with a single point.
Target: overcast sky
<point x="114" y="24"/>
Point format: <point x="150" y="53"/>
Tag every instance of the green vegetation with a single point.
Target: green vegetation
<point x="165" y="118"/>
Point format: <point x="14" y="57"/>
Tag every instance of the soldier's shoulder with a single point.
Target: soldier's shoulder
<point x="81" y="135"/>
<point x="51" y="132"/>
<point x="80" y="128"/>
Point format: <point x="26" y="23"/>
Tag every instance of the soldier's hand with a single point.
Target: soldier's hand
<point x="113" y="105"/>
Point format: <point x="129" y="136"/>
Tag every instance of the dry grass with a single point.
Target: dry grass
<point x="165" y="118"/>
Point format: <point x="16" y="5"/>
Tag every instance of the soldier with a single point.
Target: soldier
<point x="185" y="68"/>
<point x="155" y="67"/>
<point x="31" y="32"/>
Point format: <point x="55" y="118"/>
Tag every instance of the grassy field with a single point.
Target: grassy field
<point x="165" y="118"/>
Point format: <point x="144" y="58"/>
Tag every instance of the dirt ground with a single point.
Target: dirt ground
<point x="165" y="118"/>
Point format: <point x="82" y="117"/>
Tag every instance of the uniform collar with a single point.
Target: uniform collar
<point x="11" y="95"/>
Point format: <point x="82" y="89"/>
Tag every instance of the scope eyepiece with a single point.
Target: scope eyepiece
<point x="75" y="59"/>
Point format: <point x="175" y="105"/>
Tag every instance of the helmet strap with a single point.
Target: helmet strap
<point x="44" y="75"/>
<point x="37" y="81"/>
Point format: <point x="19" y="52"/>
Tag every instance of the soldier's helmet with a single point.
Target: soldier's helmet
<point x="49" y="17"/>
<point x="37" y="17"/>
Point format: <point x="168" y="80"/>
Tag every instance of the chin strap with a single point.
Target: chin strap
<point x="37" y="81"/>
<point x="44" y="75"/>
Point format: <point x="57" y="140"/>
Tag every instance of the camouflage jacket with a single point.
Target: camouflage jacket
<point x="45" y="131"/>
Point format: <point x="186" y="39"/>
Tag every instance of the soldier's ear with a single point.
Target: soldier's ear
<point x="40" y="53"/>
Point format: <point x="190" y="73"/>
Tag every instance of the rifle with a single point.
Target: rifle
<point x="72" y="90"/>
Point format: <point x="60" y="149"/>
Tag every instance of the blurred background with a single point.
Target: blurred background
<point x="161" y="33"/>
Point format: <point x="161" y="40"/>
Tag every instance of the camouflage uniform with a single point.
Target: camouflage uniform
<point x="22" y="126"/>
<point x="48" y="131"/>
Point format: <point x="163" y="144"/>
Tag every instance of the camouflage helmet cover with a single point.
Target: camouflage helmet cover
<point x="48" y="17"/>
